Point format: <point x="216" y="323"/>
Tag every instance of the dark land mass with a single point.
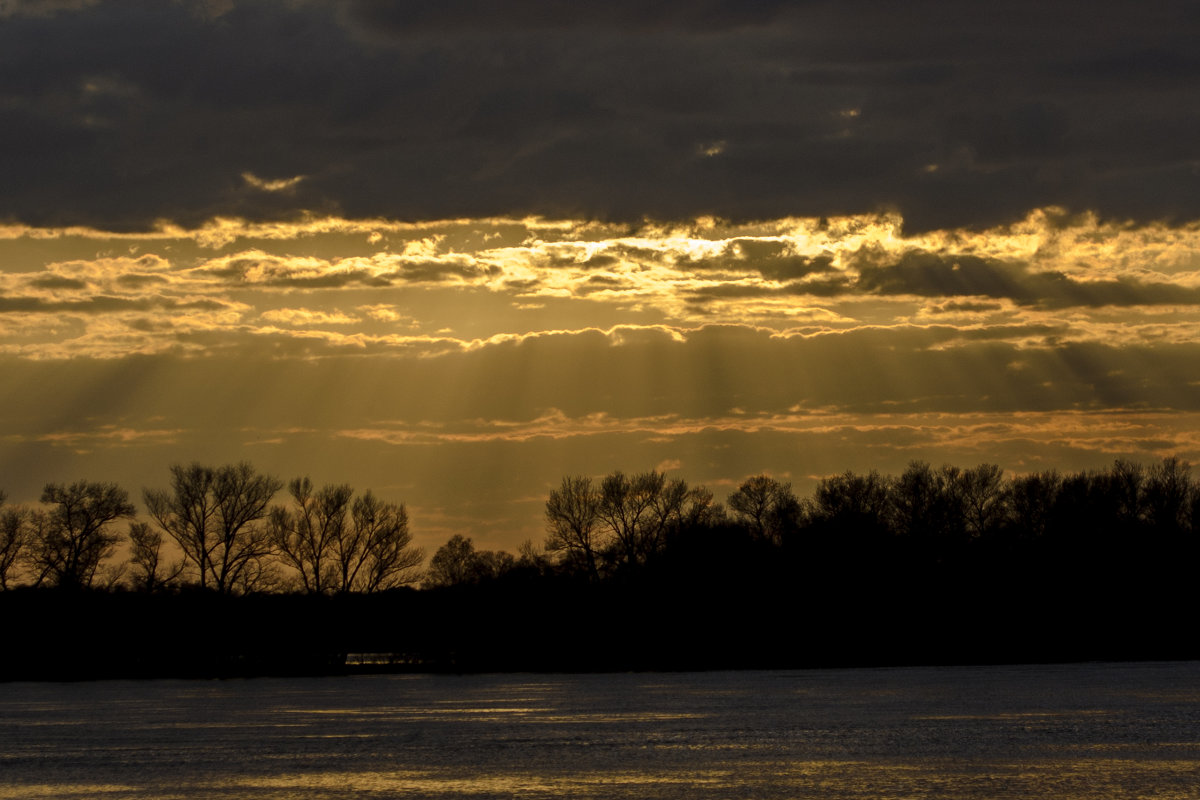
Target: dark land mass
<point x="711" y="608"/>
<point x="941" y="566"/>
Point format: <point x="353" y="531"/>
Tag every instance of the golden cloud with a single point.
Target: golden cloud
<point x="158" y="291"/>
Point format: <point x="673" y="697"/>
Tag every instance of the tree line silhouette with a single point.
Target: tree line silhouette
<point x="229" y="537"/>
<point x="636" y="571"/>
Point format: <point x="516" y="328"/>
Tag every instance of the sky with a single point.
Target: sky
<point x="453" y="251"/>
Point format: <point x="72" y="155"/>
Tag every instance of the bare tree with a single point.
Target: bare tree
<point x="457" y="562"/>
<point x="490" y="564"/>
<point x="533" y="558"/>
<point x="927" y="504"/>
<point x="111" y="575"/>
<point x="339" y="546"/>
<point x="151" y="572"/>
<point x="1168" y="496"/>
<point x="1127" y="481"/>
<point x="74" y="535"/>
<point x="1031" y="501"/>
<point x="241" y="497"/>
<point x="38" y="522"/>
<point x="14" y="541"/>
<point x="852" y="497"/>
<point x="215" y="516"/>
<point x="766" y="507"/>
<point x="667" y="508"/>
<point x="258" y="575"/>
<point x="676" y="508"/>
<point x="625" y="519"/>
<point x="452" y="564"/>
<point x="572" y="516"/>
<point x="699" y="508"/>
<point x="915" y="494"/>
<point x="982" y="493"/>
<point x="304" y="537"/>
<point x="378" y="554"/>
<point x="186" y="513"/>
<point x="628" y="510"/>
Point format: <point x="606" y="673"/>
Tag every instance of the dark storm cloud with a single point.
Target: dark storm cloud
<point x="823" y="288"/>
<point x="134" y="280"/>
<point x="581" y="261"/>
<point x="770" y="258"/>
<point x="968" y="307"/>
<point x="58" y="282"/>
<point x="282" y="273"/>
<point x="400" y="18"/>
<point x="270" y="272"/>
<point x="429" y="271"/>
<point x="104" y="305"/>
<point x="123" y="113"/>
<point x="606" y="282"/>
<point x="933" y="275"/>
<point x="40" y="8"/>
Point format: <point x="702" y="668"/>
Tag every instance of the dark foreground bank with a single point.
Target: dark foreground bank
<point x="569" y="625"/>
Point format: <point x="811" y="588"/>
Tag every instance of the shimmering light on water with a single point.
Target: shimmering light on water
<point x="1081" y="732"/>
<point x="67" y="791"/>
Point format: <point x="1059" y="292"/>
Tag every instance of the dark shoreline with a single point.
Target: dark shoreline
<point x="68" y="636"/>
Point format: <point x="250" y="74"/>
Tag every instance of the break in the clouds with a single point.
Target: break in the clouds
<point x="121" y="114"/>
<point x="330" y="287"/>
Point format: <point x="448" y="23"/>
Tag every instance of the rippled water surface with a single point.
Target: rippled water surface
<point x="1079" y="731"/>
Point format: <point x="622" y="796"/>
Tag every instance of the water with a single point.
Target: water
<point x="1077" y="731"/>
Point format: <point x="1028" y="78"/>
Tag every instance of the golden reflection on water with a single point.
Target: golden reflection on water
<point x="952" y="735"/>
<point x="531" y="714"/>
<point x="1084" y="779"/>
<point x="1008" y="716"/>
<point x="59" y="791"/>
<point x="411" y="781"/>
<point x="1061" y="779"/>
